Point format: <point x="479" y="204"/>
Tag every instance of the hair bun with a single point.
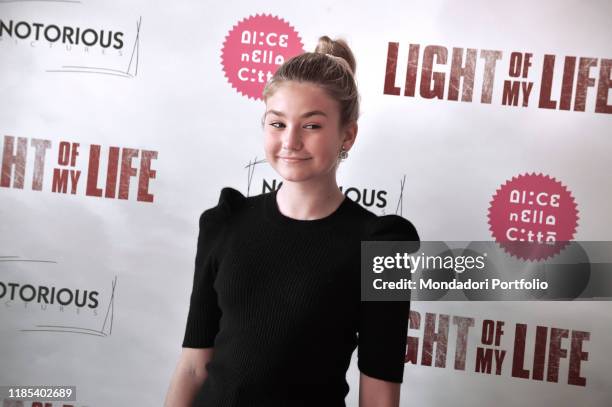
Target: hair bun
<point x="337" y="48"/>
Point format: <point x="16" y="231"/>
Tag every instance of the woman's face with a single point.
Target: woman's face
<point x="302" y="136"/>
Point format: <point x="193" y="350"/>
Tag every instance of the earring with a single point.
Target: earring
<point x="343" y="154"/>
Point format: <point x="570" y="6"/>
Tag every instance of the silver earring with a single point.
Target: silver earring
<point x="343" y="153"/>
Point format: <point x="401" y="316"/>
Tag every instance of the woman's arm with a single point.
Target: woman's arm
<point x="188" y="376"/>
<point x="378" y="393"/>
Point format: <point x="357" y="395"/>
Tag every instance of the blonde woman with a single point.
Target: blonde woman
<point x="275" y="310"/>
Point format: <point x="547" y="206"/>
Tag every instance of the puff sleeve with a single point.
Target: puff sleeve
<point x="383" y="325"/>
<point x="204" y="312"/>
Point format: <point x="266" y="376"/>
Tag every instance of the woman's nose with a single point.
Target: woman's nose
<point x="292" y="138"/>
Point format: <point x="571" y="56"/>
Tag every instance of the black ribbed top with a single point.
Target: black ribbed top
<point x="279" y="300"/>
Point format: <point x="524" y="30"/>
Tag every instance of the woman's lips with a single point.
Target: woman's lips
<point x="292" y="159"/>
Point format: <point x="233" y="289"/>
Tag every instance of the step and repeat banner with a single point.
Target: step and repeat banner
<point x="120" y="122"/>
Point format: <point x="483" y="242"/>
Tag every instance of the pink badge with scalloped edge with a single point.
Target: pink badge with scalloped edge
<point x="533" y="216"/>
<point x="254" y="49"/>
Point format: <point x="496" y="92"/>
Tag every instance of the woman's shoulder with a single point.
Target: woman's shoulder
<point x="383" y="227"/>
<point x="215" y="221"/>
<point x="230" y="202"/>
<point x="390" y="227"/>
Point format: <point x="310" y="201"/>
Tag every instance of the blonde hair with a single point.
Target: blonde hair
<point x="332" y="67"/>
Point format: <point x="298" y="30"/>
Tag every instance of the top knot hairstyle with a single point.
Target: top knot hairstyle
<point x="332" y="67"/>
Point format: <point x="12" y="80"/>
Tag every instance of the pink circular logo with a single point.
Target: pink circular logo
<point x="254" y="49"/>
<point x="533" y="216"/>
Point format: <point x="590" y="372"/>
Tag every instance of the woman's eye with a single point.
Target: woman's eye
<point x="279" y="125"/>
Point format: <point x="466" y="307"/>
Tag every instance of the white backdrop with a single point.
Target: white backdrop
<point x="164" y="91"/>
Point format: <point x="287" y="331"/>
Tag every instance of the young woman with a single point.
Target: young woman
<point x="275" y="310"/>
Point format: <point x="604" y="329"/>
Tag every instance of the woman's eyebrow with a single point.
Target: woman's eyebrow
<point x="307" y="114"/>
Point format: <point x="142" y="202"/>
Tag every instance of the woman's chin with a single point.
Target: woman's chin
<point x="287" y="176"/>
<point x="295" y="175"/>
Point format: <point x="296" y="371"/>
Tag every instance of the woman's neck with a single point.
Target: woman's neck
<point x="308" y="201"/>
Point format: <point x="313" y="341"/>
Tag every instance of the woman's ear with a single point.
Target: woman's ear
<point x="349" y="134"/>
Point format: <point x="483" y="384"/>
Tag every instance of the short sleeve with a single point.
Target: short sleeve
<point x="383" y="325"/>
<point x="204" y="312"/>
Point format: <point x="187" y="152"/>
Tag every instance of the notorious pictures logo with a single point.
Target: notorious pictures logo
<point x="374" y="198"/>
<point x="60" y="300"/>
<point x="47" y="295"/>
<point x="111" y="50"/>
<point x="52" y="33"/>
